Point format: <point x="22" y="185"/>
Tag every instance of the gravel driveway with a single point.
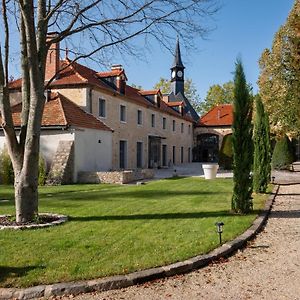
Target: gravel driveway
<point x="269" y="268"/>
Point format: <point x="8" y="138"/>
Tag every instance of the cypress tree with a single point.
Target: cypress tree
<point x="262" y="157"/>
<point x="242" y="143"/>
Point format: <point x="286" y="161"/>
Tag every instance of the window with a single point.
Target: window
<point x="174" y="154"/>
<point x="122" y="113"/>
<point x="189" y="154"/>
<point x="182" y="127"/>
<point x="164" y="123"/>
<point x="181" y="155"/>
<point x="139" y="154"/>
<point x="189" y="129"/>
<point x="174" y="125"/>
<point x="164" y="155"/>
<point x="139" y="117"/>
<point x="102" y="108"/>
<point x="152" y="120"/>
<point x="123" y="155"/>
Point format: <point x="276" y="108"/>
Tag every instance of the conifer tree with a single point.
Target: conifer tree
<point x="241" y="142"/>
<point x="262" y="156"/>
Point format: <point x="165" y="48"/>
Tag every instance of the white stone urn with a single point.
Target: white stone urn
<point x="210" y="170"/>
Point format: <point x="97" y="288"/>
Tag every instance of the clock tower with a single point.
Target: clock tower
<point x="177" y="72"/>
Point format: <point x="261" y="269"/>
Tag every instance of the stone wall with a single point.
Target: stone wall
<point x="62" y="167"/>
<point x="119" y="177"/>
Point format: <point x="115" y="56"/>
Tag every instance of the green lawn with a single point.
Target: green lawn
<point x="118" y="229"/>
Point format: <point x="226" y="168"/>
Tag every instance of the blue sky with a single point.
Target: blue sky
<point x="243" y="28"/>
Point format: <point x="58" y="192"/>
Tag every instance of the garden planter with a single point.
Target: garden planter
<point x="210" y="170"/>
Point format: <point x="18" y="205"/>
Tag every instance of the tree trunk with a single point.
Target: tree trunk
<point x="26" y="197"/>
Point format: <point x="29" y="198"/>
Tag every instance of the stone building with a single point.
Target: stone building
<point x="137" y="129"/>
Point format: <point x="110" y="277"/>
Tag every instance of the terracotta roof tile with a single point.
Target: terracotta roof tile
<point x="150" y="92"/>
<point x="111" y="73"/>
<point x="220" y="115"/>
<point x="77" y="74"/>
<point x="171" y="104"/>
<point x="60" y="111"/>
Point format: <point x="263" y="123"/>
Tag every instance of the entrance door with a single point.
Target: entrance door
<point x="154" y="152"/>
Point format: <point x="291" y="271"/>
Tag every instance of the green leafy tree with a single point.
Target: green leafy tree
<point x="283" y="154"/>
<point x="242" y="142"/>
<point x="190" y="91"/>
<point x="279" y="80"/>
<point x="218" y="94"/>
<point x="262" y="153"/>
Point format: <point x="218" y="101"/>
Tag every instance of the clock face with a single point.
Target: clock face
<point x="179" y="73"/>
<point x="173" y="74"/>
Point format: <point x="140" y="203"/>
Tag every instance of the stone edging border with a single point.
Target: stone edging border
<point x="122" y="281"/>
<point x="60" y="219"/>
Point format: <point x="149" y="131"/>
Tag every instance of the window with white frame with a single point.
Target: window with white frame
<point x="122" y="113"/>
<point x="102" y="108"/>
<point x="164" y="123"/>
<point x="139" y="117"/>
<point x="152" y="120"/>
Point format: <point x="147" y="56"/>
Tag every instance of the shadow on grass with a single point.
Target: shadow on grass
<point x="166" y="216"/>
<point x="124" y="195"/>
<point x="15" y="272"/>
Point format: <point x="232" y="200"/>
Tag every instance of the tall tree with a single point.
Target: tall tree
<point x="279" y="79"/>
<point x="242" y="143"/>
<point x="262" y="149"/>
<point x="218" y="94"/>
<point x="190" y="91"/>
<point x="111" y="24"/>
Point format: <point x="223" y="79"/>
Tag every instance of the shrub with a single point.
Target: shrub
<point x="283" y="154"/>
<point x="42" y="171"/>
<point x="6" y="170"/>
<point x="226" y="153"/>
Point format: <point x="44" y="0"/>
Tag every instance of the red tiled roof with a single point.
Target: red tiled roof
<point x="77" y="74"/>
<point x="111" y="73"/>
<point x="220" y="115"/>
<point x="179" y="103"/>
<point x="60" y="111"/>
<point x="150" y="92"/>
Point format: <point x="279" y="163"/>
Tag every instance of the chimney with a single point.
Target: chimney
<point x="120" y="79"/>
<point x="52" y="61"/>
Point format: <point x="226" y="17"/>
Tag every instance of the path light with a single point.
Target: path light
<point x="220" y="230"/>
<point x="273" y="179"/>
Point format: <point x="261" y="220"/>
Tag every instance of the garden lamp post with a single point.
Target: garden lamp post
<point x="220" y="230"/>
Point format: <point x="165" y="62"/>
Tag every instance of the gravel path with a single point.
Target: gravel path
<point x="269" y="268"/>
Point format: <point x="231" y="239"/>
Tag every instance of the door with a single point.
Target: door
<point x="154" y="152"/>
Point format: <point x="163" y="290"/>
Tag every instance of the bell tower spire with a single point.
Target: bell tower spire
<point x="177" y="72"/>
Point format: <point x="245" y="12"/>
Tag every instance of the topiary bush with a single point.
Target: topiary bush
<point x="6" y="168"/>
<point x="283" y="154"/>
<point x="226" y="153"/>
